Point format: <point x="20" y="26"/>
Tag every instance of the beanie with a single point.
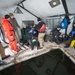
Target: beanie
<point x="7" y="16"/>
<point x="38" y="19"/>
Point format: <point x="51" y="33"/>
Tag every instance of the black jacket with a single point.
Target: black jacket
<point x="56" y="33"/>
<point x="39" y="25"/>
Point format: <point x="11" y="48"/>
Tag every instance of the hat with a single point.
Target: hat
<point x="38" y="19"/>
<point x="58" y="27"/>
<point x="11" y="14"/>
<point x="7" y="16"/>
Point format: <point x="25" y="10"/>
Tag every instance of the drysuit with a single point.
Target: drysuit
<point x="9" y="33"/>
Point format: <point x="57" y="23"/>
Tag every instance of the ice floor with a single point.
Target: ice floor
<point x="27" y="53"/>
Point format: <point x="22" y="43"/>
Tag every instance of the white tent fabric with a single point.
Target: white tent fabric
<point x="4" y="4"/>
<point x="40" y="8"/>
<point x="71" y="6"/>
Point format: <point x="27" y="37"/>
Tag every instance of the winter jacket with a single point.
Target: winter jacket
<point x="14" y="23"/>
<point x="39" y="26"/>
<point x="7" y="27"/>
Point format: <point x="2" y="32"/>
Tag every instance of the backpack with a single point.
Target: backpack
<point x="23" y="33"/>
<point x="43" y="28"/>
<point x="64" y="23"/>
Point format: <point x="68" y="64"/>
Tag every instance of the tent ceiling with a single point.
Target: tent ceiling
<point x="8" y="3"/>
<point x="71" y="6"/>
<point x="40" y="8"/>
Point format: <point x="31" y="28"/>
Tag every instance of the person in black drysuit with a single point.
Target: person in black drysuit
<point x="32" y="36"/>
<point x="71" y="36"/>
<point x="56" y="35"/>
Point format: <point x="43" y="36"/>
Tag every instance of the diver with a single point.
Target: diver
<point x="71" y="36"/>
<point x="32" y="36"/>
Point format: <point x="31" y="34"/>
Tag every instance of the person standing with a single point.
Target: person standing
<point x="41" y="27"/>
<point x="71" y="37"/>
<point x="9" y="32"/>
<point x="15" y="26"/>
<point x="2" y="52"/>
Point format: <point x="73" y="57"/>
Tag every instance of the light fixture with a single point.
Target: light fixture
<point x="54" y="3"/>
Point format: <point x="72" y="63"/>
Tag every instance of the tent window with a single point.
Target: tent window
<point x="18" y="11"/>
<point x="52" y="23"/>
<point x="26" y="23"/>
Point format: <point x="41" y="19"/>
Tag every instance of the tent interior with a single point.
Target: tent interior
<point x="51" y="12"/>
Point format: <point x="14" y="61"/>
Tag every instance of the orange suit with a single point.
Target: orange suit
<point x="9" y="33"/>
